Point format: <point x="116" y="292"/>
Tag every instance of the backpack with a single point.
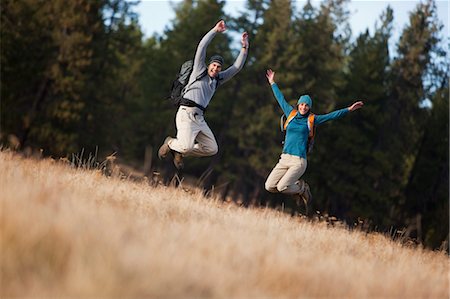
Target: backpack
<point x="179" y="85"/>
<point x="312" y="128"/>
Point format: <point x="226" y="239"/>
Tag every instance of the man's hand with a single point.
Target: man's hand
<point x="270" y="75"/>
<point x="220" y="26"/>
<point x="356" y="105"/>
<point x="244" y="40"/>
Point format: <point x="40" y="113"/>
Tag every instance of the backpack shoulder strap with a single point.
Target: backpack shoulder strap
<point x="218" y="80"/>
<point x="311" y="124"/>
<point x="289" y="118"/>
<point x="203" y="74"/>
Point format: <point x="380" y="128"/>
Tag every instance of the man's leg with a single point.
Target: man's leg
<point x="205" y="144"/>
<point x="194" y="137"/>
<point x="187" y="131"/>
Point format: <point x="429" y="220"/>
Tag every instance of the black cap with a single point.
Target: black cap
<point x="216" y="58"/>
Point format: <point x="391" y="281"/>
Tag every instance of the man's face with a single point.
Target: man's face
<point x="213" y="69"/>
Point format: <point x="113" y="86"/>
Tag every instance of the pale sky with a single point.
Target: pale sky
<point x="155" y="15"/>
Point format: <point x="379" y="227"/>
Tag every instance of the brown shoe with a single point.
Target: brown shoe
<point x="307" y="194"/>
<point x="304" y="196"/>
<point x="164" y="149"/>
<point x="307" y="199"/>
<point x="178" y="160"/>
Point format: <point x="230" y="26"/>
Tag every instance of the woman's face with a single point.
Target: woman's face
<point x="303" y="108"/>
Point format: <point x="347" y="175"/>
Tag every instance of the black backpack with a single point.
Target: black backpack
<point x="180" y="83"/>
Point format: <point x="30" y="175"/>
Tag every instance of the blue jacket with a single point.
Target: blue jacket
<point x="296" y="141"/>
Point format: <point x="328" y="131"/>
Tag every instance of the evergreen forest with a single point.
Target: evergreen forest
<point x="80" y="76"/>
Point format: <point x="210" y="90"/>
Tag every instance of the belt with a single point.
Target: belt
<point x="190" y="103"/>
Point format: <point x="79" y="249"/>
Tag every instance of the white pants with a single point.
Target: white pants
<point x="194" y="137"/>
<point x="285" y="175"/>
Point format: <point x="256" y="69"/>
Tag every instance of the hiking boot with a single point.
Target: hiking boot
<point x="178" y="160"/>
<point x="307" y="196"/>
<point x="164" y="149"/>
<point x="307" y="199"/>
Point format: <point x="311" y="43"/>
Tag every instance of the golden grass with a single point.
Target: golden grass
<point x="71" y="233"/>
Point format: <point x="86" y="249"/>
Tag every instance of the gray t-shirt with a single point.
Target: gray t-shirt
<point x="201" y="91"/>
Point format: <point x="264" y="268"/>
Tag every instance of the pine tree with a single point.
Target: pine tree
<point x="318" y="59"/>
<point x="60" y="53"/>
<point x="252" y="138"/>
<point x="350" y="182"/>
<point x="64" y="69"/>
<point x="26" y="50"/>
<point x="111" y="117"/>
<point x="427" y="190"/>
<point x="405" y="117"/>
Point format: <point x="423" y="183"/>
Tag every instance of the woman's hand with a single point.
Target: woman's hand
<point x="220" y="26"/>
<point x="244" y="40"/>
<point x="356" y="106"/>
<point x="270" y="75"/>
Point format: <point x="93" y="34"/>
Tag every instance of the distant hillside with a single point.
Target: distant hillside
<point x="72" y="233"/>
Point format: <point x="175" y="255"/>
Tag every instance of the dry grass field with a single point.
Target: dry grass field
<point x="74" y="233"/>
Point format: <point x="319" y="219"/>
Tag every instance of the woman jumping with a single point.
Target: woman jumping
<point x="285" y="176"/>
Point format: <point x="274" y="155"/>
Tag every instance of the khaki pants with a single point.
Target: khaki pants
<point x="194" y="137"/>
<point x="285" y="175"/>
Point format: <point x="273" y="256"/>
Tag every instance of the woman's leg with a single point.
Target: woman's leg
<point x="275" y="176"/>
<point x="289" y="183"/>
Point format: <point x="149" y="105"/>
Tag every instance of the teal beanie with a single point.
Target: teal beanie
<point x="305" y="99"/>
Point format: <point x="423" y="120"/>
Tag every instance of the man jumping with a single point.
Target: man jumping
<point x="194" y="137"/>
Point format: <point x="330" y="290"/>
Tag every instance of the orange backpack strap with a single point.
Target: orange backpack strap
<point x="311" y="125"/>
<point x="289" y="118"/>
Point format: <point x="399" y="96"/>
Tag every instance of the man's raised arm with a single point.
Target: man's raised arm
<point x="238" y="63"/>
<point x="200" y="54"/>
